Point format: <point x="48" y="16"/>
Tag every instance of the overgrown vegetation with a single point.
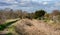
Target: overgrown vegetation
<point x="3" y="26"/>
<point x="52" y="19"/>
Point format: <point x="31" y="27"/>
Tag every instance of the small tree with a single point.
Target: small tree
<point x="2" y="18"/>
<point x="39" y="14"/>
<point x="56" y="12"/>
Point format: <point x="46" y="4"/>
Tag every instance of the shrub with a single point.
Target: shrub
<point x="39" y="13"/>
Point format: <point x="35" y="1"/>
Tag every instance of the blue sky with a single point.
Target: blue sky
<point x="31" y="5"/>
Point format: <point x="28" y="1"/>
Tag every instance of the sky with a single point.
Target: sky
<point x="31" y="5"/>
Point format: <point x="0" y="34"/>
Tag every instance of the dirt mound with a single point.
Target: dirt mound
<point x="34" y="27"/>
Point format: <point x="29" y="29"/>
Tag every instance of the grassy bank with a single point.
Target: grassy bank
<point x="3" y="26"/>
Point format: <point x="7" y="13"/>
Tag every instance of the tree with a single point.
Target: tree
<point x="2" y="18"/>
<point x="56" y="15"/>
<point x="39" y="13"/>
<point x="56" y="12"/>
<point x="18" y="13"/>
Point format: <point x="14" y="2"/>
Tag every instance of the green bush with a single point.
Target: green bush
<point x="39" y="13"/>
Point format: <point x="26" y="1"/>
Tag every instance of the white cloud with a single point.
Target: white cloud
<point x="46" y="0"/>
<point x="26" y="4"/>
<point x="57" y="3"/>
<point x="45" y="3"/>
<point x="9" y="1"/>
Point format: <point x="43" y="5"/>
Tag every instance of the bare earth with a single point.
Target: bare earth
<point x="35" y="27"/>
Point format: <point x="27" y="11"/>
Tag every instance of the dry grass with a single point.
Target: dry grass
<point x="35" y="27"/>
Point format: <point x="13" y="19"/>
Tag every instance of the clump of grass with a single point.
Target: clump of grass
<point x="11" y="29"/>
<point x="29" y="24"/>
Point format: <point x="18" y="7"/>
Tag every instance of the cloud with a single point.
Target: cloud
<point x="30" y="5"/>
<point x="57" y="3"/>
<point x="45" y="3"/>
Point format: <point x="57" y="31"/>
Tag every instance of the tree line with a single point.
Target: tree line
<point x="13" y="14"/>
